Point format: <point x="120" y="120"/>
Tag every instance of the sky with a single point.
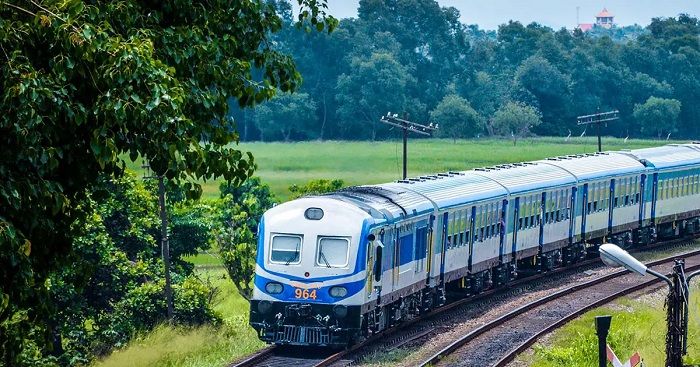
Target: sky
<point x="488" y="14"/>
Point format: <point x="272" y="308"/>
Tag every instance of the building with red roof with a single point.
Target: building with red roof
<point x="604" y="19"/>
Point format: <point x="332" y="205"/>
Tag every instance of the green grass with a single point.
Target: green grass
<point x="638" y="325"/>
<point x="283" y="164"/>
<point x="207" y="345"/>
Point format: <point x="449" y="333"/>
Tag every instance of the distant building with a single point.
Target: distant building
<point x="604" y="19"/>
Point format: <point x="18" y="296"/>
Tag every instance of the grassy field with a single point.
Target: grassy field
<point x="283" y="164"/>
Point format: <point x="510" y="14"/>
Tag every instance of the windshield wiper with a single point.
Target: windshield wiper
<point x="294" y="256"/>
<point x="323" y="257"/>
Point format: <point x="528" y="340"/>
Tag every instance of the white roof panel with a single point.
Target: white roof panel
<point x="587" y="167"/>
<point x="673" y="155"/>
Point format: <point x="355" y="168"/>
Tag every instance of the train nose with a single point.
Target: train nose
<point x="298" y="310"/>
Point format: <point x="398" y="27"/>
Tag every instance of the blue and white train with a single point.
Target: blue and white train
<point x="336" y="268"/>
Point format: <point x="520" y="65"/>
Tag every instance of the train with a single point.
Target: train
<point x="334" y="269"/>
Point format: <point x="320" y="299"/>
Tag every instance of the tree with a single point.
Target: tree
<point x="316" y="187"/>
<point x="549" y="87"/>
<point x="376" y="86"/>
<point x="657" y="116"/>
<point x="456" y="118"/>
<point x="516" y="119"/>
<point x="114" y="285"/>
<point x="236" y="236"/>
<point x="286" y="115"/>
<point x="82" y="84"/>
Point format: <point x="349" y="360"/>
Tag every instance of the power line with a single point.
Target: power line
<point x="597" y="119"/>
<point x="407" y="126"/>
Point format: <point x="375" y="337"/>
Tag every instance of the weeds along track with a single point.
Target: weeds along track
<point x="499" y="341"/>
<point x="441" y="320"/>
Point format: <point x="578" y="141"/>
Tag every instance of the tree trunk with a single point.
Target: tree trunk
<point x="323" y="123"/>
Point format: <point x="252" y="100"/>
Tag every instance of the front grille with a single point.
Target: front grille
<point x="302" y="335"/>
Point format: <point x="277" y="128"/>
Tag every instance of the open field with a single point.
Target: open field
<point x="283" y="164"/>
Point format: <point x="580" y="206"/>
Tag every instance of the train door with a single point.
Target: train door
<point x="654" y="197"/>
<point x="516" y="226"/>
<point x="471" y="233"/>
<point x="406" y="254"/>
<point x="420" y="246"/>
<point x="429" y="256"/>
<point x="611" y="206"/>
<point x="584" y="205"/>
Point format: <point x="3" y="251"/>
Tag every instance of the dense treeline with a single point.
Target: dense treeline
<point x="83" y="86"/>
<point x="416" y="57"/>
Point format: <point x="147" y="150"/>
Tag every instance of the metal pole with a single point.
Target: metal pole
<point x="405" y="146"/>
<point x="165" y="246"/>
<point x="600" y="145"/>
<point x="602" y="325"/>
<point x="675" y="317"/>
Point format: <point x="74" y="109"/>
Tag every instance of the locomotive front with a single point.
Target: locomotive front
<point x="310" y="274"/>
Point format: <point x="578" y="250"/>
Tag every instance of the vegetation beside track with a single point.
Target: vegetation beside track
<point x="203" y="346"/>
<point x="638" y="325"/>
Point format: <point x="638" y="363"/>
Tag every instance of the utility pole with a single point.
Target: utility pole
<point x="165" y="245"/>
<point x="598" y="119"/>
<point x="405" y="125"/>
<point x="677" y="317"/>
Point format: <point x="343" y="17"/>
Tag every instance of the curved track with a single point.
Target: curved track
<point x="416" y="329"/>
<point x="499" y="341"/>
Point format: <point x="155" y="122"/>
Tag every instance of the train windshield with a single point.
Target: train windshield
<point x="332" y="252"/>
<point x="285" y="249"/>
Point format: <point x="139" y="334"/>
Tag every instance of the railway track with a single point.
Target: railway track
<point x="421" y="327"/>
<point x="499" y="341"/>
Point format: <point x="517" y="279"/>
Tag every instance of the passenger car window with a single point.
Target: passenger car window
<point x="285" y="249"/>
<point x="332" y="252"/>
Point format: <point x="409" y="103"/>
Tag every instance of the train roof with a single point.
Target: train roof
<point x="528" y="176"/>
<point x="414" y="196"/>
<point x="586" y="167"/>
<point x="673" y="155"/>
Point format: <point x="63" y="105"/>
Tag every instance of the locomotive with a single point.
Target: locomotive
<point x="334" y="269"/>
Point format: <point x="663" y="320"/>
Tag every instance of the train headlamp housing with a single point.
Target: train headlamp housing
<point x="338" y="292"/>
<point x="264" y="307"/>
<point x="274" y="288"/>
<point x="313" y="213"/>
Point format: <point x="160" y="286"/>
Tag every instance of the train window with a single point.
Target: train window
<point x="675" y="188"/>
<point x="662" y="189"/>
<point x="332" y="252"/>
<point x="285" y="249"/>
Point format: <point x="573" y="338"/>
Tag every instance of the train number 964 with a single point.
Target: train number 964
<point x="304" y="293"/>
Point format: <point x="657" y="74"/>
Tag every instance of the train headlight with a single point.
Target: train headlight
<point x="264" y="307"/>
<point x="340" y="311"/>
<point x="314" y="213"/>
<point x="274" y="288"/>
<point x="338" y="292"/>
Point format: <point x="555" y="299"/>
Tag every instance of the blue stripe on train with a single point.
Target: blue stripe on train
<point x="322" y="292"/>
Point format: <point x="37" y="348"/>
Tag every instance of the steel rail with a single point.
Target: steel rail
<point x="530" y="341"/>
<point x="457" y="344"/>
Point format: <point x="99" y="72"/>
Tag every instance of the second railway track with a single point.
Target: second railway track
<point x="499" y="341"/>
